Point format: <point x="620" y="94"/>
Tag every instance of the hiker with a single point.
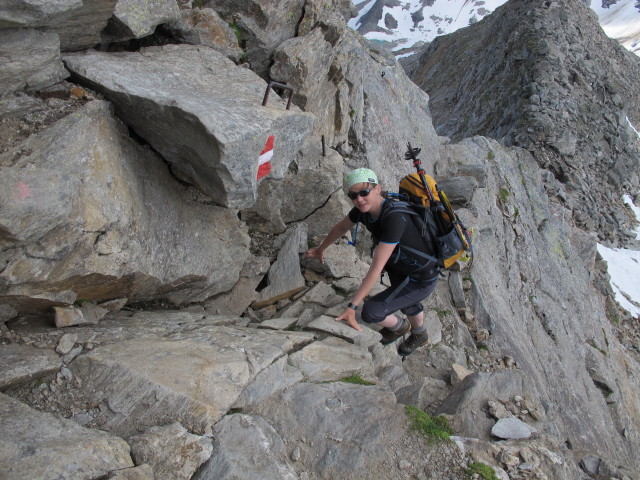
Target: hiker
<point x="404" y="294"/>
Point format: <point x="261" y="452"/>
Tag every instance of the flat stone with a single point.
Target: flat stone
<point x="512" y="428"/>
<point x="366" y="338"/>
<point x="22" y="363"/>
<point x="332" y="359"/>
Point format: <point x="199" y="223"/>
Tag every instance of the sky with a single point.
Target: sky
<point x="620" y="21"/>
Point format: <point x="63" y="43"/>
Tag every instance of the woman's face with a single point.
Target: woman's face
<point x="367" y="196"/>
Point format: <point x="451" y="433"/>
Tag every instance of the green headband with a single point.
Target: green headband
<point x="360" y="175"/>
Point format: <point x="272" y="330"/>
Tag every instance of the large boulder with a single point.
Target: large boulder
<point x="88" y="214"/>
<point x="313" y="193"/>
<point x="201" y="112"/>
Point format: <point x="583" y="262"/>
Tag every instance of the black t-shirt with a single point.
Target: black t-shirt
<point x="396" y="227"/>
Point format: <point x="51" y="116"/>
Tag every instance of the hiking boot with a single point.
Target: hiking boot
<point x="414" y="341"/>
<point x="389" y="336"/>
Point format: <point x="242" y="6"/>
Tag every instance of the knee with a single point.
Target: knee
<point x="373" y="312"/>
<point x="413" y="310"/>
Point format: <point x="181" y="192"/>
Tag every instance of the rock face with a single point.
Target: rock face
<point x="84" y="181"/>
<point x="214" y="140"/>
<point x="543" y="77"/>
<point x="366" y="108"/>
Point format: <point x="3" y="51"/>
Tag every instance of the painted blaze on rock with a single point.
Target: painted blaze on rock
<point x="201" y="112"/>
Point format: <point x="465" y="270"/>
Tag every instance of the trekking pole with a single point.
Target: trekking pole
<point x="412" y="154"/>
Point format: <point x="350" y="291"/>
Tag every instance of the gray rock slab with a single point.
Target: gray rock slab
<point x="192" y="376"/>
<point x="22" y="363"/>
<point x="281" y="202"/>
<point x="332" y="359"/>
<point x="94" y="204"/>
<point x="365" y="338"/>
<point x="276" y="377"/>
<point x="457" y="292"/>
<point x="25" y="13"/>
<point x="81" y="27"/>
<point x="279" y="323"/>
<point x="173" y="452"/>
<point x="201" y="112"/>
<point x="34" y="444"/>
<point x="340" y="260"/>
<point x="30" y="60"/>
<point x="243" y="293"/>
<point x="285" y="277"/>
<point x="338" y="429"/>
<point x="246" y="446"/>
<point x="459" y="190"/>
<point x="512" y="428"/>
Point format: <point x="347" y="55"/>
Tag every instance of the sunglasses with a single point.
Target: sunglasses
<point x="361" y="193"/>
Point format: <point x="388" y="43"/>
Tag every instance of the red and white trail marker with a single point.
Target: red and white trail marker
<point x="264" y="160"/>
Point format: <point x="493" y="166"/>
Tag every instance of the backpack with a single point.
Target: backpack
<point x="443" y="232"/>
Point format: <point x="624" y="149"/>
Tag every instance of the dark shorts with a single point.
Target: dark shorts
<point x="408" y="300"/>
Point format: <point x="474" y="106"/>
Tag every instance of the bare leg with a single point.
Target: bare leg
<point x="416" y="320"/>
<point x="389" y="322"/>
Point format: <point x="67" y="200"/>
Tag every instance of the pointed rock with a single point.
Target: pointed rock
<point x="285" y="278"/>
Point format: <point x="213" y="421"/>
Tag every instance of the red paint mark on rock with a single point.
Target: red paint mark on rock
<point x="23" y="191"/>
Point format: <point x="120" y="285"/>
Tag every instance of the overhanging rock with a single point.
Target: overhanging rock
<point x="201" y="112"/>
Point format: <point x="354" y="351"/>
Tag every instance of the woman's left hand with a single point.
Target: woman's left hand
<point x="349" y="316"/>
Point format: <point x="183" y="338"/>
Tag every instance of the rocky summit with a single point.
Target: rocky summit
<point x="165" y="165"/>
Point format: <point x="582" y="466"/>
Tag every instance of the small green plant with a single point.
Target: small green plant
<point x="434" y="429"/>
<point x="504" y="195"/>
<point x="242" y="42"/>
<point x="199" y="3"/>
<point x="483" y="347"/>
<point x="483" y="470"/>
<point x="468" y="279"/>
<point x="491" y="155"/>
<point x="442" y="313"/>
<point x="352" y="112"/>
<point x="356" y="379"/>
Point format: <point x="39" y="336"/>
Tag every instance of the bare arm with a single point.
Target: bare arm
<point x="338" y="230"/>
<point x="380" y="256"/>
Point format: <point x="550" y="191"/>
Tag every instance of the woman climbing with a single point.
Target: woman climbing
<point x="408" y="287"/>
